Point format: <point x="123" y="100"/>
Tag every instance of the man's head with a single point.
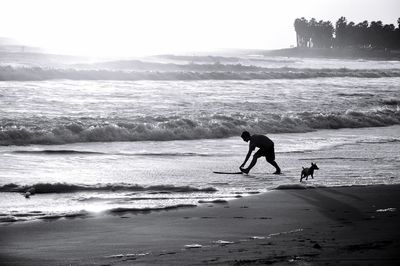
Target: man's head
<point x="245" y="136"/>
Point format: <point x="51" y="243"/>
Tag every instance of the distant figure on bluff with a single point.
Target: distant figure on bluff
<point x="266" y="149"/>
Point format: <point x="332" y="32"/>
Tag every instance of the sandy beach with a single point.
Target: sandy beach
<point x="315" y="226"/>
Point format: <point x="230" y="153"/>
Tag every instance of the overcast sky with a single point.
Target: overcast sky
<point x="141" y="27"/>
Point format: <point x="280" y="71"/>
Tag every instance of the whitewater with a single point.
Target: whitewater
<point x="137" y="136"/>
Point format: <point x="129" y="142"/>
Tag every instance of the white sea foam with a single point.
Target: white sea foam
<point x="190" y="246"/>
<point x="386" y="210"/>
<point x="223" y="242"/>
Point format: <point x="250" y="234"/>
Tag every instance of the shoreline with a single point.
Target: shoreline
<point x="315" y="225"/>
<point x="121" y="211"/>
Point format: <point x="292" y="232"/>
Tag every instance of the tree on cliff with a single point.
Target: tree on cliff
<point x="341" y="32"/>
<point x="312" y="33"/>
<point x="302" y="36"/>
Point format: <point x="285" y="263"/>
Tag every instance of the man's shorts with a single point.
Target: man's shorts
<point x="269" y="154"/>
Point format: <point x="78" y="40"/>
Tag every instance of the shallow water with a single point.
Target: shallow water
<point x="141" y="175"/>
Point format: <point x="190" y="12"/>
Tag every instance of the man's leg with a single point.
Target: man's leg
<point x="270" y="156"/>
<point x="274" y="164"/>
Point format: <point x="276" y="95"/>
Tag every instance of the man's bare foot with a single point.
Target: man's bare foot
<point x="277" y="173"/>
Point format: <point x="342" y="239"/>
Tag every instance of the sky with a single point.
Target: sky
<point x="144" y="27"/>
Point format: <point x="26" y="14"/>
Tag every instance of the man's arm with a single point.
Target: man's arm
<point x="247" y="156"/>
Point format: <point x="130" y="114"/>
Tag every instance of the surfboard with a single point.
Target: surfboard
<point x="227" y="173"/>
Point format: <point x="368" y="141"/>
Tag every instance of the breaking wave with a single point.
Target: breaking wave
<point x="189" y="72"/>
<point x="42" y="188"/>
<point x="176" y="128"/>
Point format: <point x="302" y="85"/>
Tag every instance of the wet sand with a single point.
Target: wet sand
<point x="322" y="226"/>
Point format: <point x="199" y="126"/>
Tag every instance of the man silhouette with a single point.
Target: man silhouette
<point x="266" y="149"/>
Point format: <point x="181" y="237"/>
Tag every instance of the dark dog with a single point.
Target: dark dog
<point x="308" y="171"/>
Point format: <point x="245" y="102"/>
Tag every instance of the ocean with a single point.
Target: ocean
<point x="121" y="137"/>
